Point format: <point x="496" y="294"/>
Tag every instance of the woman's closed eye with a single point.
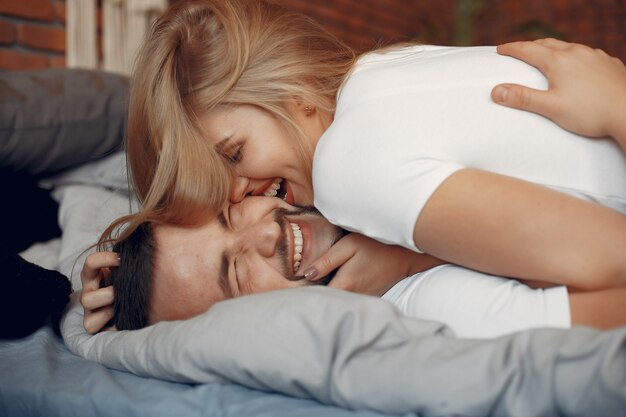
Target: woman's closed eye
<point x="234" y="154"/>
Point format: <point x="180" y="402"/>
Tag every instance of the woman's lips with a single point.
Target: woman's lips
<point x="269" y="188"/>
<point x="276" y="187"/>
<point x="289" y="197"/>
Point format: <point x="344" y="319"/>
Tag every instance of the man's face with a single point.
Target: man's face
<point x="251" y="247"/>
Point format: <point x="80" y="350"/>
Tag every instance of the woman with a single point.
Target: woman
<point x="232" y="98"/>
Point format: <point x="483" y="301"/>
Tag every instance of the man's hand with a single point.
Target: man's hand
<point x="97" y="302"/>
<point x="367" y="266"/>
<point x="587" y="87"/>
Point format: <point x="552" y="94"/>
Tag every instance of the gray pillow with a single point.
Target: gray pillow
<point x="55" y="119"/>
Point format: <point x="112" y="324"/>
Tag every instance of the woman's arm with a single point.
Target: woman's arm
<point x="508" y="227"/>
<point x="587" y="87"/>
<point x="366" y="266"/>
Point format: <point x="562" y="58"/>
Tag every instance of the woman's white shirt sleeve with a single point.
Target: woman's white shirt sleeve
<point x="408" y="119"/>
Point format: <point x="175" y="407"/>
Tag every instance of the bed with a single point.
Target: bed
<point x="65" y="128"/>
<point x="40" y="377"/>
<point x="302" y="352"/>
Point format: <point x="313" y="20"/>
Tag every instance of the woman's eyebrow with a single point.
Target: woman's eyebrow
<point x="219" y="146"/>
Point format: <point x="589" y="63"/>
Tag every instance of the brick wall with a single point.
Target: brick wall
<point x="366" y="23"/>
<point x="32" y="32"/>
<point x="598" y="23"/>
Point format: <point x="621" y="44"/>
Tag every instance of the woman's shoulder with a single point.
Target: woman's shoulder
<point x="402" y="60"/>
<point x="412" y="50"/>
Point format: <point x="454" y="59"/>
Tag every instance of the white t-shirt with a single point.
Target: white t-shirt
<point x="478" y="305"/>
<point x="409" y="118"/>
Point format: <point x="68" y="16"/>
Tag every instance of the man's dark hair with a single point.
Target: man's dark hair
<point x="132" y="280"/>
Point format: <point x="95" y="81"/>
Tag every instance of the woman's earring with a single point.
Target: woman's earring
<point x="309" y="110"/>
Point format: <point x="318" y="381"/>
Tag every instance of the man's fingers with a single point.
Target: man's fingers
<point x="554" y="43"/>
<point x="92" y="300"/>
<point x="523" y="98"/>
<point x="96" y="320"/>
<point x="533" y="53"/>
<point x="91" y="272"/>
<point x="334" y="257"/>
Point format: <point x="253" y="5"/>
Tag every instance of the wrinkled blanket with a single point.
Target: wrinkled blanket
<point x="359" y="352"/>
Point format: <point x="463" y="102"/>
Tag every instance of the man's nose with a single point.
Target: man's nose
<point x="264" y="237"/>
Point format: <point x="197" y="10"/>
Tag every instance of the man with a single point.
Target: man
<point x="258" y="245"/>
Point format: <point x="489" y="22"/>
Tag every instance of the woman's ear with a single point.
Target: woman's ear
<point x="303" y="107"/>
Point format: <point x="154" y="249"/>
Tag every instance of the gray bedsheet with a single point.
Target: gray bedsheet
<point x="40" y="377"/>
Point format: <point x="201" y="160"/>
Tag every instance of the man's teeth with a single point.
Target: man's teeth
<point x="272" y="191"/>
<point x="297" y="246"/>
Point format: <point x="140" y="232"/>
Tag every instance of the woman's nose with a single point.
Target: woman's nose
<point x="243" y="187"/>
<point x="239" y="189"/>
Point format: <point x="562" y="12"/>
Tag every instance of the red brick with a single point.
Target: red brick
<point x="599" y="23"/>
<point x="30" y="9"/>
<point x="20" y="61"/>
<point x="57" y="61"/>
<point x="7" y="33"/>
<point x="60" y="12"/>
<point x="41" y="37"/>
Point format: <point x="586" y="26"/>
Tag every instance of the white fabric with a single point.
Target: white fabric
<point x="478" y="305"/>
<point x="407" y="119"/>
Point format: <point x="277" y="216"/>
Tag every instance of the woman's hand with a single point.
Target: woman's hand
<point x="367" y="266"/>
<point x="587" y="87"/>
<point x="97" y="302"/>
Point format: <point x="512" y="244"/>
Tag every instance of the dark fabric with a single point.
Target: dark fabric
<point x="30" y="295"/>
<point x="28" y="213"/>
<point x="55" y="119"/>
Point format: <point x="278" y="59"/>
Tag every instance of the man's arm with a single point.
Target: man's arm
<point x="601" y="309"/>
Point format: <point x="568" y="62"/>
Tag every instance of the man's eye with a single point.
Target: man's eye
<point x="237" y="275"/>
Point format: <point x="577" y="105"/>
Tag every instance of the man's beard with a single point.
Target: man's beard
<point x="282" y="249"/>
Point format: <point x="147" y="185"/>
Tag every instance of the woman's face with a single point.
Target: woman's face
<point x="264" y="156"/>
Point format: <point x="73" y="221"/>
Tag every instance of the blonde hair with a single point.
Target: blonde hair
<point x="202" y="54"/>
